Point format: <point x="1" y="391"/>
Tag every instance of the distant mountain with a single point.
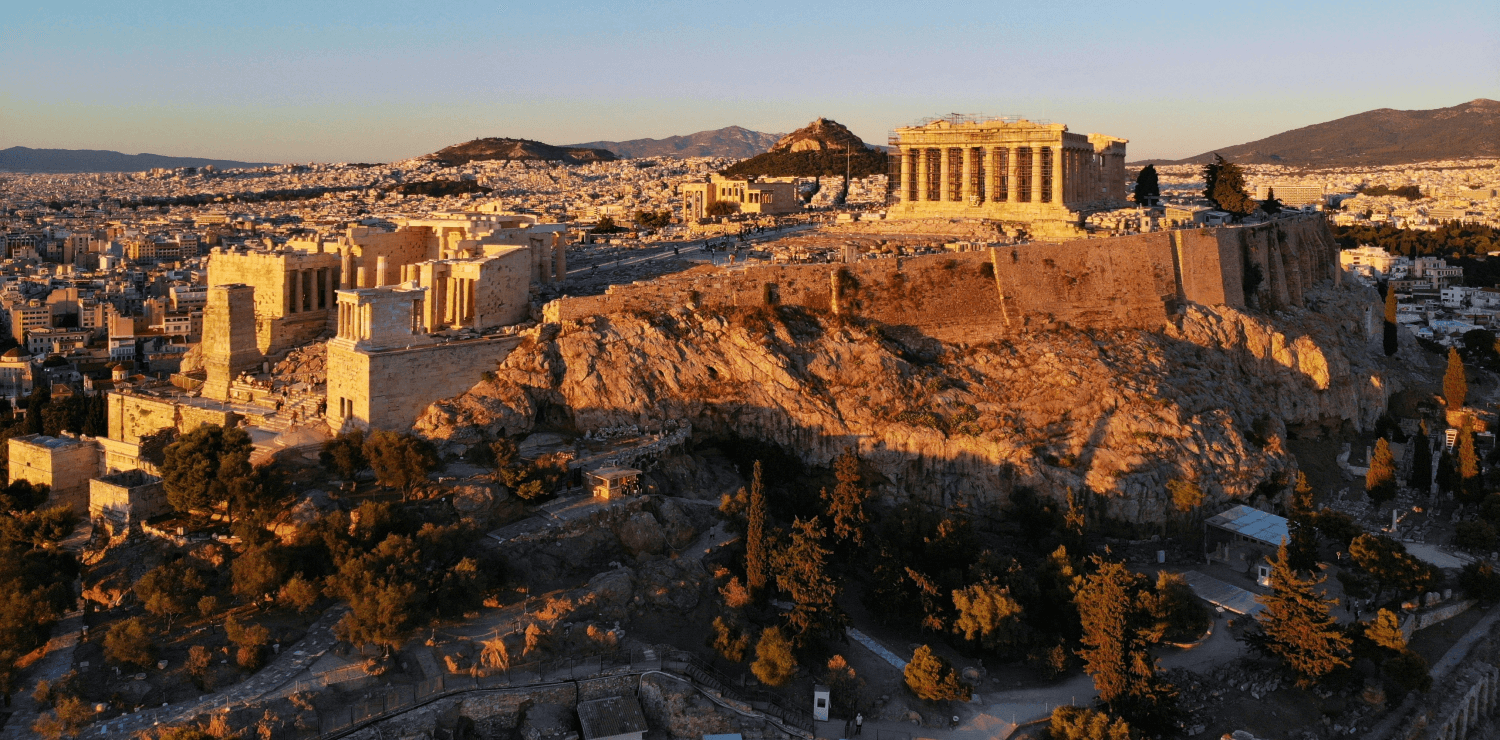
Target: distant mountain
<point x="484" y="150"/>
<point x="822" y="148"/>
<point x="58" y="161"/>
<point x="733" y="141"/>
<point x="1377" y="137"/>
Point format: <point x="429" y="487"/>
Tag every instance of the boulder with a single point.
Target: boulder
<point x="641" y="535"/>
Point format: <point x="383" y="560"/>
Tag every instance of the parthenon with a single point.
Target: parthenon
<point x="1014" y="171"/>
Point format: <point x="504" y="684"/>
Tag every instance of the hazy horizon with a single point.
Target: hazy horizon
<point x="370" y="82"/>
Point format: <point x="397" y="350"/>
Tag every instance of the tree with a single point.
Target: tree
<point x="1270" y="206"/>
<point x="251" y="641"/>
<point x="345" y="453"/>
<point x="846" y="507"/>
<point x="1480" y="581"/>
<point x="1389" y="339"/>
<point x="844" y="687"/>
<point x="606" y="225"/>
<point x="1385" y="631"/>
<point x="721" y="208"/>
<point x="755" y="536"/>
<point x="1470" y="485"/>
<point x="1301" y="526"/>
<point x="932" y="678"/>
<point x="1118" y="630"/>
<point x="802" y="573"/>
<point x="1081" y="723"/>
<point x="1455" y="384"/>
<point x="652" y="219"/>
<point x="129" y="643"/>
<point x="1178" y="613"/>
<point x="1475" y="536"/>
<point x="257" y="571"/>
<point x="380" y="587"/>
<point x="1224" y="186"/>
<point x="730" y="640"/>
<point x="1409" y="670"/>
<point x="170" y="590"/>
<point x="1147" y="186"/>
<point x="989" y="616"/>
<point x="200" y="666"/>
<point x="1380" y="479"/>
<point x="534" y="641"/>
<point x="400" y="461"/>
<point x="1387" y="561"/>
<point x="1297" y="627"/>
<point x="200" y="466"/>
<point x="1421" y="461"/>
<point x="774" y="664"/>
<point x="299" y="593"/>
<point x="66" y="718"/>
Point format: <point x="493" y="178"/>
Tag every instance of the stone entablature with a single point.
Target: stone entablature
<point x="1007" y="170"/>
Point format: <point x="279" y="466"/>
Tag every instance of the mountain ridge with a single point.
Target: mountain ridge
<point x="823" y="148"/>
<point x="72" y="161"/>
<point x="499" y="148"/>
<point x="1384" y="136"/>
<point x="731" y="141"/>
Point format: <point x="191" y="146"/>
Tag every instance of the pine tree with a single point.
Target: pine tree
<point x="1470" y="483"/>
<point x="1380" y="479"/>
<point x="932" y="678"/>
<point x="1118" y="625"/>
<point x="755" y="536"/>
<point x="1147" y="185"/>
<point x="1225" y="187"/>
<point x="1296" y="625"/>
<point x="802" y="573"/>
<point x="1386" y="632"/>
<point x="846" y="507"/>
<point x="774" y="663"/>
<point x="1389" y="339"/>
<point x="1421" y="461"/>
<point x="1455" y="385"/>
<point x="1270" y="206"/>
<point x="1303" y="544"/>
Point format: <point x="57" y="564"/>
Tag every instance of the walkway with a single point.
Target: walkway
<point x="57" y="660"/>
<point x="1219" y="593"/>
<point x="287" y="665"/>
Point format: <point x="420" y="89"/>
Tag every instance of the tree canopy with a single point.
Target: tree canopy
<point x="1147" y="185"/>
<point x="1224" y="186"/>
<point x="1297" y="626"/>
<point x="202" y="465"/>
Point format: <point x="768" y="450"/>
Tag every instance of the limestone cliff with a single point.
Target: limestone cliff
<point x="1117" y="413"/>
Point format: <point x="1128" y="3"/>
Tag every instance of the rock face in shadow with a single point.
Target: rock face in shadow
<point x="1116" y="414"/>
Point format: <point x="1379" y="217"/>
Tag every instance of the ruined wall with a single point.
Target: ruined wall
<point x="62" y="463"/>
<point x="1131" y="281"/>
<point x="502" y="291"/>
<point x="406" y="246"/>
<point x="134" y="417"/>
<point x="229" y="337"/>
<point x="387" y="389"/>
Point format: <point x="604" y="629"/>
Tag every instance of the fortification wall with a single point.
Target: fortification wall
<point x="133" y="417"/>
<point x="387" y="389"/>
<point x="1130" y="281"/>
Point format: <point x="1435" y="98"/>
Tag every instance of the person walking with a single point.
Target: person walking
<point x="859" y="724"/>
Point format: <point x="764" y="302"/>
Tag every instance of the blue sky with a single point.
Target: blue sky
<point x="328" y="80"/>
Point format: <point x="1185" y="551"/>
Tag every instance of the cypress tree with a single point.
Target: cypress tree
<point x="1147" y="185"/>
<point x="846" y="506"/>
<point x="1270" y="205"/>
<point x="1117" y="626"/>
<point x="1468" y="463"/>
<point x="1380" y="480"/>
<point x="1303" y="547"/>
<point x="1455" y="385"/>
<point x="755" y="536"/>
<point x="1389" y="339"/>
<point x="1421" y="463"/>
<point x="1224" y="186"/>
<point x="1297" y="627"/>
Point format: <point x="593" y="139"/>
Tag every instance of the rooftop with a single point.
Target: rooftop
<point x="1252" y="523"/>
<point x="611" y="716"/>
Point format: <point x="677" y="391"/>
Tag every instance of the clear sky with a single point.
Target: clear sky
<point x="330" y="80"/>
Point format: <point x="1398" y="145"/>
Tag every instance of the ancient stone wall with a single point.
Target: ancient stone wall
<point x="1131" y="281"/>
<point x="387" y="389"/>
<point x="229" y="336"/>
<point x="133" y="417"/>
<point x="65" y="464"/>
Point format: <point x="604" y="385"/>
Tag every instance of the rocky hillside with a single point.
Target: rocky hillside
<point x="24" y="159"/>
<point x="819" y="149"/>
<point x="1378" y="137"/>
<point x="1115" y="413"/>
<point x="484" y="150"/>
<point x="731" y="141"/>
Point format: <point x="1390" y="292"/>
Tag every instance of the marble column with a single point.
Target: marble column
<point x="907" y="173"/>
<point x="1057" y="175"/>
<point x="346" y="269"/>
<point x="945" y="175"/>
<point x="921" y="173"/>
<point x="1012" y="191"/>
<point x="966" y="185"/>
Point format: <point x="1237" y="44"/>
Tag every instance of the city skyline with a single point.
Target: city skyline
<point x="340" y="82"/>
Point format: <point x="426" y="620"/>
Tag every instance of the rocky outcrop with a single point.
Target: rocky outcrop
<point x="1117" y="414"/>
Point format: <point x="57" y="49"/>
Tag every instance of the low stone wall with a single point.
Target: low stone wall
<point x="390" y="388"/>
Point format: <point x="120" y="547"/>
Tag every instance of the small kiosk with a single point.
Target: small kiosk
<point x="611" y="483"/>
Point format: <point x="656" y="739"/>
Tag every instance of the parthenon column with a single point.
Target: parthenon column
<point x="966" y="185"/>
<point x="1057" y="176"/>
<point x="991" y="172"/>
<point x="945" y="175"/>
<point x="294" y="291"/>
<point x="1013" y="192"/>
<point x="907" y="173"/>
<point x="346" y="269"/>
<point x="921" y="173"/>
